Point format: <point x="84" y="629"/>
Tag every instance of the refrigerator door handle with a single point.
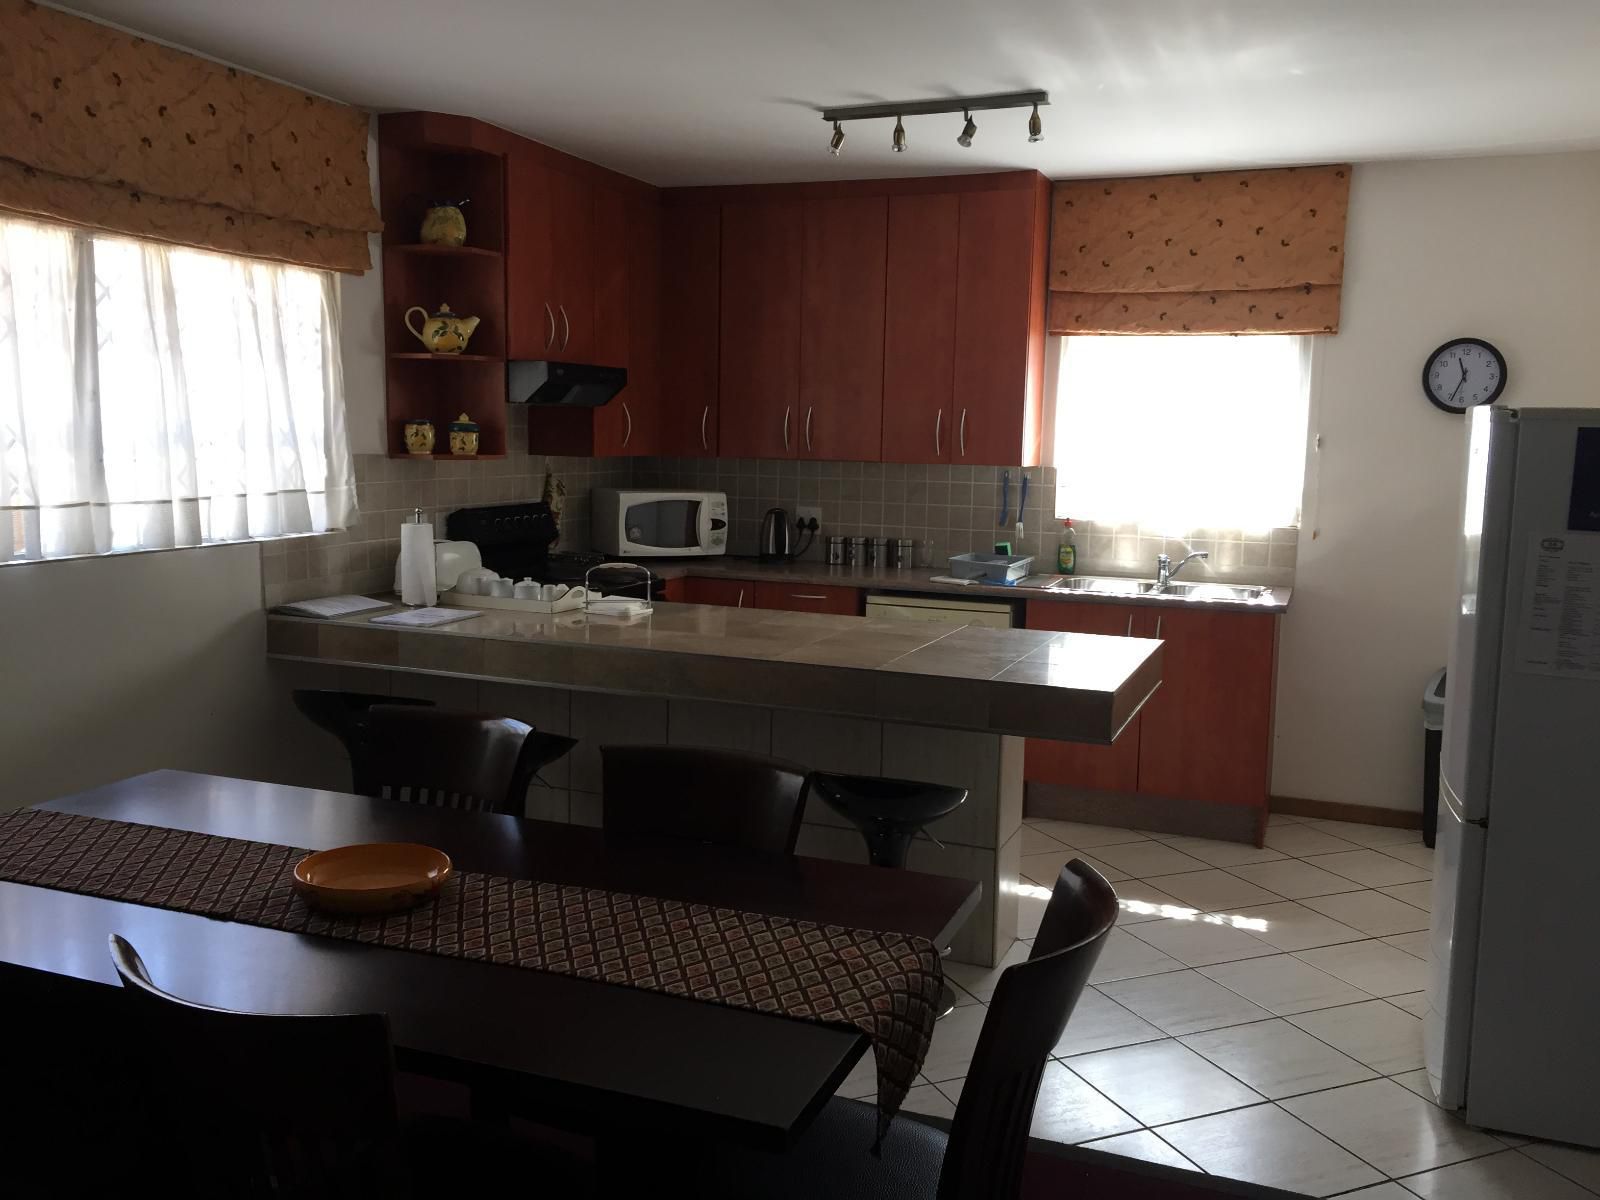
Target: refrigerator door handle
<point x="1452" y="803"/>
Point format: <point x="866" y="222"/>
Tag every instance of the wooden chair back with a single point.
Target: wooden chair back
<point x="691" y="793"/>
<point x="449" y="759"/>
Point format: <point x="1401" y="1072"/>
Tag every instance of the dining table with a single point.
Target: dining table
<point x="582" y="1052"/>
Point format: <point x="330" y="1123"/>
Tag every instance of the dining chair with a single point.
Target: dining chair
<point x="337" y="712"/>
<point x="982" y="1156"/>
<point x="449" y="759"/>
<point x="693" y="793"/>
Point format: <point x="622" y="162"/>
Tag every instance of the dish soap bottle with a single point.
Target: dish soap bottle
<point x="1067" y="555"/>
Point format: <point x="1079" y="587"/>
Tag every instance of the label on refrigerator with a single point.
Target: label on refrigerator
<point x="1561" y="607"/>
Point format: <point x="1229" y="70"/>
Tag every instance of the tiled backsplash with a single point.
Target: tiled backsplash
<point x="955" y="509"/>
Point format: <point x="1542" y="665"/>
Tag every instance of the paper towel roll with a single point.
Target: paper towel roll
<point x="418" y="584"/>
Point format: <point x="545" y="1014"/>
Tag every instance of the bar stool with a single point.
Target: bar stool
<point x="890" y="813"/>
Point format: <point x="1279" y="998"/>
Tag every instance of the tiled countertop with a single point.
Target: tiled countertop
<point x="1064" y="686"/>
<point x="919" y="579"/>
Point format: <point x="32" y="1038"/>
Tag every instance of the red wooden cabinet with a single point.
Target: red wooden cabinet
<point x="730" y="593"/>
<point x="808" y="597"/>
<point x="840" y="409"/>
<point x="690" y="307"/>
<point x="607" y="331"/>
<point x="999" y="342"/>
<point x="759" y="378"/>
<point x="1113" y="768"/>
<point x="920" y="328"/>
<point x="533" y="330"/>
<point x="573" y="266"/>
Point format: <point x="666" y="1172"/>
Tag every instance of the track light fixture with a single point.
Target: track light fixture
<point x="964" y="139"/>
<point x="965" y="105"/>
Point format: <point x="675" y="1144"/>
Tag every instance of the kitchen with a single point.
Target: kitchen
<point x="1352" y="654"/>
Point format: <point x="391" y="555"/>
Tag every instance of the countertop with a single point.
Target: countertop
<point x="1034" y="683"/>
<point x="920" y="579"/>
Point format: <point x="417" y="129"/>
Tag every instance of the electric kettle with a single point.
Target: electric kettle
<point x="776" y="536"/>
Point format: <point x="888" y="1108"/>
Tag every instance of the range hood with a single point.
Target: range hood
<point x="562" y="384"/>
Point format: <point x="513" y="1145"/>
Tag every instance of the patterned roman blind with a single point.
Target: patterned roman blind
<point x="1223" y="252"/>
<point x="106" y="130"/>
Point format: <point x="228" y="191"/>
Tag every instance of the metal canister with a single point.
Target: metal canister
<point x="878" y="552"/>
<point x="856" y="552"/>
<point x="834" y="549"/>
<point x="902" y="551"/>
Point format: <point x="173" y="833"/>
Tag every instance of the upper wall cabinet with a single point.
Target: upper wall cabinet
<point x="759" y="357"/>
<point x="919" y="343"/>
<point x="840" y="413"/>
<point x="691" y="268"/>
<point x="549" y="267"/>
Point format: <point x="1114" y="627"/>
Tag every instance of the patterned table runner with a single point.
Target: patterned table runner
<point x="887" y="985"/>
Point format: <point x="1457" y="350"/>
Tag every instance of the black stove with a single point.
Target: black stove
<point x="515" y="540"/>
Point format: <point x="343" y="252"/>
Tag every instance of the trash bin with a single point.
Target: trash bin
<point x="1432" y="739"/>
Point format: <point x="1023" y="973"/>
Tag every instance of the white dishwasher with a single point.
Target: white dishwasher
<point x="996" y="614"/>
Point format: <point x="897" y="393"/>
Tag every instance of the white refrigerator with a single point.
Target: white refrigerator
<point x="1512" y="1033"/>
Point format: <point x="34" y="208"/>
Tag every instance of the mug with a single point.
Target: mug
<point x="499" y="587"/>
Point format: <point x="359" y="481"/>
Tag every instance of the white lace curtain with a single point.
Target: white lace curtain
<point x="152" y="396"/>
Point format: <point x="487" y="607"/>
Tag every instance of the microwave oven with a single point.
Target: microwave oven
<point x="638" y="523"/>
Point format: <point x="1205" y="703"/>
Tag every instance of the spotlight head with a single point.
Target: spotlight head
<point x="836" y="142"/>
<point x="967" y="131"/>
<point x="1035" y="126"/>
<point x="899" y="143"/>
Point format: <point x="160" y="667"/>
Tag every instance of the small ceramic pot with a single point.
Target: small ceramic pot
<point x="464" y="437"/>
<point x="444" y="225"/>
<point x="419" y="437"/>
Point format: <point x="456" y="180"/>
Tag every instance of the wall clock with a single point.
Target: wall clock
<point x="1464" y="373"/>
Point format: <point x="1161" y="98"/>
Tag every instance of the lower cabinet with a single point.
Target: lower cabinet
<point x="1205" y="735"/>
<point x="809" y="597"/>
<point x="731" y="593"/>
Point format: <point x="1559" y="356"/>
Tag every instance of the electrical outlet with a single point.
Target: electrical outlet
<point x="804" y="513"/>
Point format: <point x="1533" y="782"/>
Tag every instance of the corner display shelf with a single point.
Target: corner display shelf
<point x="426" y="157"/>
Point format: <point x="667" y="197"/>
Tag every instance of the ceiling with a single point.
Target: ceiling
<point x="726" y="91"/>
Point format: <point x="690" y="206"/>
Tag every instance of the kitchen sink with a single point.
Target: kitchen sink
<point x="1105" y="585"/>
<point x="1211" y="591"/>
<point x="1109" y="585"/>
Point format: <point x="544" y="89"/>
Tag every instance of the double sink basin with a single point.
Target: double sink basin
<point x="1110" y="585"/>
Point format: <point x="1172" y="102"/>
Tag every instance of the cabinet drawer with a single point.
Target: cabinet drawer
<point x="809" y="597"/>
<point x="731" y="593"/>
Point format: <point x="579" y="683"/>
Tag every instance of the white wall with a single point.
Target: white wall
<point x="1507" y="249"/>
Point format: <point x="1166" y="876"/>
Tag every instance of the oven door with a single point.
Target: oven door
<point x="668" y="524"/>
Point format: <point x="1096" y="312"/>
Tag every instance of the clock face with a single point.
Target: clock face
<point x="1463" y="374"/>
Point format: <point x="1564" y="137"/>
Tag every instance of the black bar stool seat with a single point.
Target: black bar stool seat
<point x="889" y="812"/>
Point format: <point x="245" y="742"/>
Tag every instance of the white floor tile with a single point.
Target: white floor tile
<point x="1276" y="1059"/>
<point x="1213" y="890"/>
<point x="1383" y="1191"/>
<point x="1415" y="944"/>
<point x="1265" y="1145"/>
<point x="1374" y="1033"/>
<point x="862" y="1082"/>
<point x="1371" y="868"/>
<point x="1293" y="879"/>
<point x="1418" y="895"/>
<point x="1394" y="1130"/>
<point x="1415" y="1003"/>
<point x="954" y="1039"/>
<point x="1417" y="1081"/>
<point x="928" y="1100"/>
<point x="1045" y="868"/>
<point x="1414" y="853"/>
<point x="1371" y="912"/>
<point x="1085" y="836"/>
<point x="1290" y="926"/>
<point x="1038" y="841"/>
<point x="1030" y="912"/>
<point x="1371" y="966"/>
<point x="1144" y="859"/>
<point x="1162" y="1081"/>
<point x="1579" y="1165"/>
<point x="981" y="981"/>
<point x="1144" y="1146"/>
<point x="1069" y="1110"/>
<point x="1222" y="854"/>
<point x="1140" y="901"/>
<point x="1126" y="957"/>
<point x="1100" y="1023"/>
<point x="1112" y="874"/>
<point x="1283" y="984"/>
<point x="1199" y="942"/>
<point x="1504" y="1176"/>
<point x="1183" y="1002"/>
<point x="1305" y="839"/>
<point x="1281" y="818"/>
<point x="1366" y="835"/>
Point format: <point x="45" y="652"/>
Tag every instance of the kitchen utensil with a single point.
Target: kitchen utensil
<point x="877" y="551"/>
<point x="464" y="437"/>
<point x="499" y="587"/>
<point x="549" y="592"/>
<point x="419" y="437"/>
<point x="901" y="551"/>
<point x="444" y="224"/>
<point x="776" y="536"/>
<point x="991" y="568"/>
<point x="419" y="582"/>
<point x="444" y="332"/>
<point x="472" y="581"/>
<point x="1005" y="497"/>
<point x="377" y="877"/>
<point x="527" y="589"/>
<point x="856" y="552"/>
<point x="834" y="549"/>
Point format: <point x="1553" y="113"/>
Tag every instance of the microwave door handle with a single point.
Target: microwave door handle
<point x="704" y="531"/>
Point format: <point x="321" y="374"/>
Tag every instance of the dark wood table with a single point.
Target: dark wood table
<point x="592" y="1053"/>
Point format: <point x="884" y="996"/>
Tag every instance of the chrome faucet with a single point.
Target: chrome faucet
<point x="1166" y="572"/>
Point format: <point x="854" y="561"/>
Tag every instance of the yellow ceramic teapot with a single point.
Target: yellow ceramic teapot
<point x="444" y="332"/>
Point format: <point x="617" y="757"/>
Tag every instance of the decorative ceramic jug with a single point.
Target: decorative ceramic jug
<point x="419" y="437"/>
<point x="444" y="225"/>
<point x="444" y="332"/>
<point x="464" y="436"/>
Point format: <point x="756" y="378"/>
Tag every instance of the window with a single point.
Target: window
<point x="1176" y="434"/>
<point x="153" y="396"/>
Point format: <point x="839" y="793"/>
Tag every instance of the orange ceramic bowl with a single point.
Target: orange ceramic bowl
<point x="378" y="877"/>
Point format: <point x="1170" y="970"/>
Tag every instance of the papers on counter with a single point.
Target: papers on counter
<point x="415" y="618"/>
<point x="331" y="606"/>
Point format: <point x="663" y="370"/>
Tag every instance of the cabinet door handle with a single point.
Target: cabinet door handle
<point x="1158" y="624"/>
<point x="704" y="413"/>
<point x="740" y="604"/>
<point x="628" y="435"/>
<point x="566" y="326"/>
<point x="938" y="428"/>
<point x="1130" y="626"/>
<point x="785" y="426"/>
<point x="808" y="427"/>
<point x="806" y="596"/>
<point x="550" y="338"/>
<point x="963" y="433"/>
